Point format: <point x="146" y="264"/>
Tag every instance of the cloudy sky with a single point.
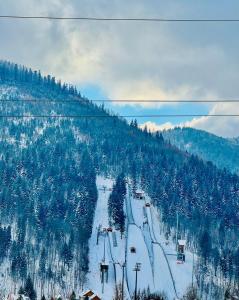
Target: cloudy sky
<point x="122" y="60"/>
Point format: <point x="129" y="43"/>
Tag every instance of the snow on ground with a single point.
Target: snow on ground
<point x="162" y="278"/>
<point x="168" y="276"/>
<point x="113" y="244"/>
<point x="137" y="239"/>
<point x="118" y="258"/>
<point x="128" y="209"/>
<point x="96" y="252"/>
<point x="159" y="269"/>
<point x="182" y="273"/>
<point x="140" y="219"/>
<point x="137" y="210"/>
<point x="145" y="276"/>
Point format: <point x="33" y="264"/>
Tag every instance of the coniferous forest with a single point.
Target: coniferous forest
<point x="48" y="168"/>
<point x="116" y="203"/>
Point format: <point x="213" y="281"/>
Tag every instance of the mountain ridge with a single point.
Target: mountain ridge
<point x="48" y="180"/>
<point x="221" y="151"/>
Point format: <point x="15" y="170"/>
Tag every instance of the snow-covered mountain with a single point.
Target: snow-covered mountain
<point x="221" y="151"/>
<point x="159" y="268"/>
<point x="235" y="140"/>
<point x="57" y="152"/>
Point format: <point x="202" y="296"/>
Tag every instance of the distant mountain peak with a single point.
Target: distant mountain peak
<point x="210" y="147"/>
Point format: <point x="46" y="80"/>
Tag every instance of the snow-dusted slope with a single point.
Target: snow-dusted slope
<point x="162" y="278"/>
<point x="182" y="273"/>
<point x="158" y="265"/>
<point x="136" y="239"/>
<point x="107" y="250"/>
<point x="11" y="92"/>
<point x="96" y="253"/>
<point x="145" y="276"/>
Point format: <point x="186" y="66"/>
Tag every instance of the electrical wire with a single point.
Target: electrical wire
<point x="122" y="100"/>
<point x="118" y="116"/>
<point x="115" y="19"/>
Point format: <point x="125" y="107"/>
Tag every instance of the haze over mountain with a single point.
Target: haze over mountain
<point x="54" y="143"/>
<point x="223" y="152"/>
<point x="121" y="60"/>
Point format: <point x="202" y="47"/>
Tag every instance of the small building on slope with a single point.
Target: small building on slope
<point x="90" y="295"/>
<point x="181" y="251"/>
<point x="138" y="194"/>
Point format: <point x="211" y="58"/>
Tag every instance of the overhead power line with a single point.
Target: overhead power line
<point x="116" y="19"/>
<point x="123" y="100"/>
<point x="117" y="116"/>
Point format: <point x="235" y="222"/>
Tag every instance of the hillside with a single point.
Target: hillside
<point x="221" y="151"/>
<point x="49" y="163"/>
<point x="235" y="140"/>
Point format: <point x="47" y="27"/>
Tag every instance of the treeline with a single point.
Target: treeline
<point x="48" y="193"/>
<point x="116" y="203"/>
<point x="205" y="197"/>
<point x="27" y="290"/>
<point x="10" y="72"/>
<point x="222" y="152"/>
<point x="42" y="170"/>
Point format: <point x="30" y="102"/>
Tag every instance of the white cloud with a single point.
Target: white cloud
<point x="125" y="59"/>
<point x="153" y="127"/>
<point x="222" y="126"/>
<point x="129" y="60"/>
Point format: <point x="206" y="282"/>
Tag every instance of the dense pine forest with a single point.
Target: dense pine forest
<point x="221" y="151"/>
<point x="48" y="168"/>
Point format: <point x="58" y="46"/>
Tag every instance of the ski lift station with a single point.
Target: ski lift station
<point x="139" y="195"/>
<point x="94" y="297"/>
<point x="181" y="251"/>
<point x="90" y="295"/>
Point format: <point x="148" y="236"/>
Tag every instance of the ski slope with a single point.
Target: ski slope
<point x="159" y="270"/>
<point x="182" y="273"/>
<point x="96" y="252"/>
<point x="107" y="250"/>
<point x="145" y="276"/>
<point x="163" y="281"/>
